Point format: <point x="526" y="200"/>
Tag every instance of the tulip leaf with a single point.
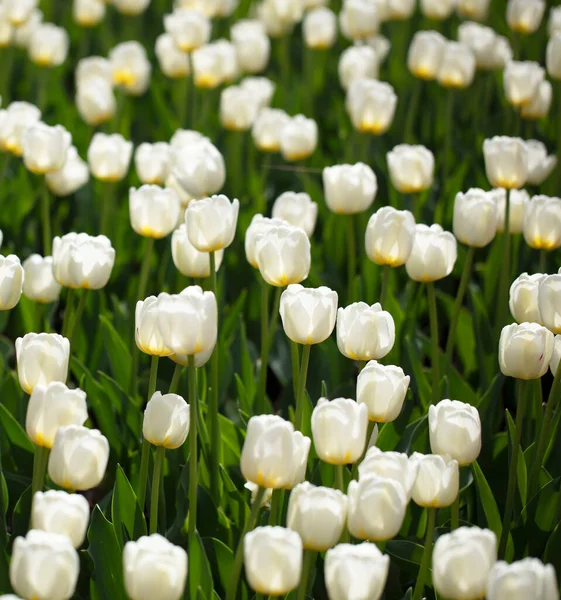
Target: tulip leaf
<point x="552" y="554"/>
<point x="125" y="510"/>
<point x="522" y="477"/>
<point x="408" y="555"/>
<point x="419" y="380"/>
<point x="22" y="514"/>
<point x="15" y="431"/>
<point x="223" y="558"/>
<point x="105" y="552"/>
<point x="487" y="500"/>
<point x="118" y="353"/>
<point x="200" y="574"/>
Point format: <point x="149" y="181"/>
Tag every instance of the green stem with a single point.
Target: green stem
<point x="275" y="507"/>
<point x="77" y="316"/>
<point x="386" y="270"/>
<point x="427" y="553"/>
<point x="145" y="269"/>
<point x="412" y="112"/>
<point x="176" y="378"/>
<point x="39" y="468"/>
<point x="262" y="381"/>
<point x="545" y="434"/>
<point x="455" y="513"/>
<point x="182" y="99"/>
<point x="543" y="262"/>
<point x="505" y="271"/>
<point x="351" y="256"/>
<point x="295" y="360"/>
<point x="274" y="316"/>
<point x="302" y="386"/>
<point x="448" y="138"/>
<point x="213" y="407"/>
<point x="156" y="477"/>
<point x="435" y="365"/>
<point x="466" y="274"/>
<point x="238" y="559"/>
<point x="340" y="478"/>
<point x="512" y="476"/>
<point x="67" y="319"/>
<point x="107" y="199"/>
<point x="193" y="401"/>
<point x="46" y="219"/>
<point x="308" y="564"/>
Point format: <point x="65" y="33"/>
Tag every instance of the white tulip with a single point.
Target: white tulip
<point x="556" y="355"/>
<point x="131" y="67"/>
<point x="23" y="33"/>
<point x="298" y="138"/>
<point x="399" y="9"/>
<point x="437" y="9"/>
<point x="425" y="54"/>
<point x="238" y="108"/>
<point x="280" y="16"/>
<point x="523" y="300"/>
<point x="389" y="236"/>
<point x="540" y="103"/>
<point x="73" y="175"/>
<point x="88" y="13"/>
<point x="320" y="28"/>
<point x="525" y="350"/>
<point x="7" y="28"/>
<point x="358" y="19"/>
<point x="553" y="61"/>
<point x="14" y="121"/>
<point x="554" y="23"/>
<point x="349" y="189"/>
<point x="522" y="81"/>
<point x="41" y="359"/>
<point x="131" y="7"/>
<point x="261" y="88"/>
<point x="357" y="62"/>
<point x="45" y="148"/>
<point x="173" y="61"/>
<point x="525" y="16"/>
<point x="229" y="64"/>
<point x="473" y="9"/>
<point x="433" y="255"/>
<point x="542" y="223"/>
<point x="39" y="283"/>
<point x="506" y="162"/>
<point x="518" y="200"/>
<point x="206" y="63"/>
<point x="18" y="11"/>
<point x="152" y="162"/>
<point x="11" y="281"/>
<point x="540" y="164"/>
<point x="199" y="168"/>
<point x="109" y="156"/>
<point x="62" y="513"/>
<point x="252" y="44"/>
<point x="166" y="420"/>
<point x="187" y="259"/>
<point x="457" y="68"/>
<point x="411" y="168"/>
<point x="526" y="578"/>
<point x="211" y="222"/>
<point x="267" y="129"/>
<point x="148" y="334"/>
<point x="154" y="211"/>
<point x="382" y="388"/>
<point x="185" y="197"/>
<point x="258" y="226"/>
<point x="298" y="209"/>
<point x="438" y="480"/>
<point x="492" y="51"/>
<point x="393" y="465"/>
<point x="48" y="46"/>
<point x="475" y="218"/>
<point x="95" y="100"/>
<point x="371" y="105"/>
<point x="51" y="407"/>
<point x="549" y="304"/>
<point x="93" y="66"/>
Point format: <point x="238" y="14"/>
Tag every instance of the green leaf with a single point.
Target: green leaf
<point x="407" y="555"/>
<point x="419" y="380"/>
<point x="200" y="575"/>
<point x="22" y="514"/>
<point x="125" y="509"/>
<point x="487" y="500"/>
<point x="223" y="558"/>
<point x="521" y="475"/>
<point x="118" y="353"/>
<point x="14" y="431"/>
<point x="106" y="555"/>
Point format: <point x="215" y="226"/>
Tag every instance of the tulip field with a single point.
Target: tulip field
<point x="280" y="299"/>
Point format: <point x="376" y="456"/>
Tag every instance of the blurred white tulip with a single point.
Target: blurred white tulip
<point x="433" y="255"/>
<point x="199" y="168"/>
<point x="437" y="9"/>
<point x="109" y="156"/>
<point x="280" y="16"/>
<point x="492" y="51"/>
<point x="349" y="189"/>
<point x="540" y="164"/>
<point x="393" y="465"/>
<point x="96" y="101"/>
<point x="473" y="9"/>
<point x="148" y="334"/>
<point x="548" y="302"/>
<point x="238" y="108"/>
<point x="475" y="218"/>
<point x="525" y="16"/>
<point x="358" y="19"/>
<point x="298" y="138"/>
<point x="93" y="66"/>
<point x="39" y="283"/>
<point x="130" y="67"/>
<point x="521" y="81"/>
<point x="152" y="162"/>
<point x="371" y="105"/>
<point x="211" y="222"/>
<point x="73" y="175"/>
<point x="45" y="148"/>
<point x="298" y="209"/>
<point x="14" y="121"/>
<point x="267" y="129"/>
<point x="41" y="358"/>
<point x="18" y="11"/>
<point x="553" y="55"/>
<point x="166" y="420"/>
<point x="173" y="61"/>
<point x="526" y="578"/>
<point x="457" y="68"/>
<point x="525" y="350"/>
<point x="518" y="200"/>
<point x="411" y="168"/>
<point x="357" y="62"/>
<point x="425" y="54"/>
<point x="131" y="7"/>
<point x="539" y="105"/>
<point x="190" y="29"/>
<point x="188" y="260"/>
<point x="88" y="13"/>
<point x="11" y="281"/>
<point x="542" y="223"/>
<point x="506" y="162"/>
<point x="554" y="23"/>
<point x="383" y="389"/>
<point x="523" y="300"/>
<point x="23" y="33"/>
<point x="154" y="211"/>
<point x="253" y="47"/>
<point x="48" y="46"/>
<point x="320" y="28"/>
<point x="438" y="480"/>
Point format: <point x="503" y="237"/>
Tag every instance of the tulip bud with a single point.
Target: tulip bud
<point x="473" y="9"/>
<point x="41" y="359"/>
<point x="199" y="168"/>
<point x="39" y="283"/>
<point x="364" y="332"/>
<point x="238" y="108"/>
<point x="357" y="62"/>
<point x="11" y="281"/>
<point x="525" y="16"/>
<point x="152" y="162"/>
<point x="44" y="565"/>
<point x="48" y="46"/>
<point x="45" y="148"/>
<point x="18" y="11"/>
<point x="371" y="105"/>
<point x="425" y="54"/>
<point x="154" y="211"/>
<point x="525" y="350"/>
<point x="252" y="45"/>
<point x="554" y="23"/>
<point x="492" y="51"/>
<point x="298" y="209"/>
<point x="527" y="578"/>
<point x="51" y="407"/>
<point x="267" y="129"/>
<point x="392" y="465"/>
<point x="308" y="314"/>
<point x="475" y="218"/>
<point x="553" y="55"/>
<point x="540" y="103"/>
<point x="211" y="222"/>
<point x="389" y="236"/>
<point x="131" y="7"/>
<point x="433" y="255"/>
<point x="131" y="67"/>
<point x="320" y="28"/>
<point x="359" y="19"/>
<point x="283" y="255"/>
<point x="437" y="9"/>
<point x="109" y="156"/>
<point x="522" y="81"/>
<point x="339" y="430"/>
<point x="154" y="568"/>
<point x="95" y="100"/>
<point x="462" y="561"/>
<point x="457" y="68"/>
<point x="16" y="119"/>
<point x="523" y="301"/>
<point x="542" y="223"/>
<point x="411" y="168"/>
<point x="317" y="514"/>
<point x="540" y="165"/>
<point x="187" y="259"/>
<point x="298" y="138"/>
<point x="556" y="355"/>
<point x="73" y="175"/>
<point x="166" y="420"/>
<point x="506" y="162"/>
<point x="273" y="454"/>
<point x="88" y="13"/>
<point x="258" y="226"/>
<point x="438" y="480"/>
<point x="78" y="458"/>
<point x="148" y="334"/>
<point x="190" y="29"/>
<point x="377" y="507"/>
<point x="273" y="560"/>
<point x="61" y="513"/>
<point x="549" y="305"/>
<point x="518" y="200"/>
<point x="173" y="62"/>
<point x="83" y="261"/>
<point x="349" y="189"/>
<point x="356" y="571"/>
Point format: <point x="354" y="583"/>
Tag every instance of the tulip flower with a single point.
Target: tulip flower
<point x="437" y="9"/>
<point x="364" y="332"/>
<point x="73" y="175"/>
<point x="21" y="34"/>
<point x="93" y="66"/>
<point x="173" y="62"/>
<point x="267" y="129"/>
<point x="95" y="100"/>
<point x="298" y="209"/>
<point x="211" y="223"/>
<point x="298" y="138"/>
<point x="148" y="333"/>
<point x="526" y="578"/>
<point x="258" y="226"/>
<point x="540" y="164"/>
<point x="131" y="7"/>
<point x="371" y="105"/>
<point x="252" y="45"/>
<point x="411" y="168"/>
<point x="389" y="236"/>
<point x="41" y="359"/>
<point x="549" y="306"/>
<point x="539" y="105"/>
<point x="317" y="514"/>
<point x="433" y="254"/>
<point x="152" y="162"/>
<point x="554" y="23"/>
<point x="492" y="51"/>
<point x="78" y="458"/>
<point x="48" y="46"/>
<point x="438" y="480"/>
<point x="261" y="88"/>
<point x="44" y="566"/>
<point x="525" y="350"/>
<point x="19" y="11"/>
<point x="130" y="67"/>
<point x="184" y="197"/>
<point x="109" y="156"/>
<point x="206" y="63"/>
<point x="187" y="259"/>
<point x="17" y="117"/>
<point x="190" y="29"/>
<point x="166" y="420"/>
<point x="238" y="108"/>
<point x="525" y="16"/>
<point x="523" y="301"/>
<point x="356" y="571"/>
<point x="273" y="454"/>
<point x="457" y="68"/>
<point x="61" y="513"/>
<point x="273" y="560"/>
<point x="506" y="162"/>
<point x="152" y="567"/>
<point x="349" y="189"/>
<point x="475" y="218"/>
<point x="377" y="507"/>
<point x="553" y="60"/>
<point x="393" y="465"/>
<point x="39" y="283"/>
<point x="462" y="561"/>
<point x="518" y="200"/>
<point x="254" y="489"/>
<point x="357" y="62"/>
<point x="320" y="28"/>
<point x="521" y="81"/>
<point x="199" y="168"/>
<point x="381" y="45"/>
<point x="11" y="281"/>
<point x="473" y="9"/>
<point x="280" y="16"/>
<point x="45" y="148"/>
<point x="88" y="13"/>
<point x="542" y="223"/>
<point x="358" y="19"/>
<point x="425" y="54"/>
<point x="154" y="211"/>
